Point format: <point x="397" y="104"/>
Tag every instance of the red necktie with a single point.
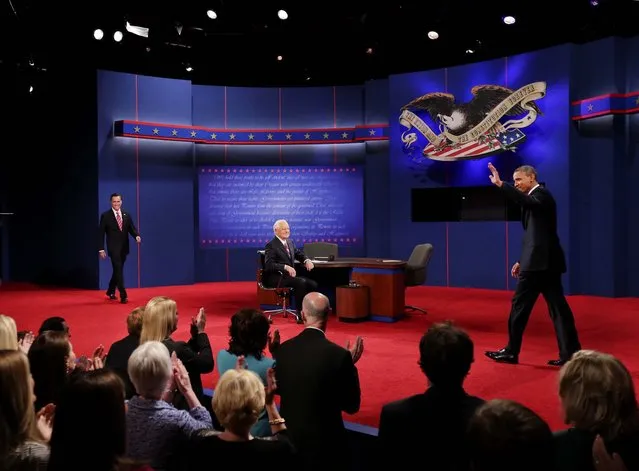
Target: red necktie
<point x="287" y="250"/>
<point x="119" y="219"/>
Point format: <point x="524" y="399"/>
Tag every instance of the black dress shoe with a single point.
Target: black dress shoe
<point x="111" y="296"/>
<point x="557" y="362"/>
<point x="124" y="300"/>
<point x="503" y="356"/>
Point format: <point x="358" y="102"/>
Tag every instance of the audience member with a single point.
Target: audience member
<point x="56" y="324"/>
<point x="118" y="357"/>
<point x="240" y="397"/>
<point x="434" y="423"/>
<point x="89" y="429"/>
<point x="159" y="321"/>
<point x="249" y="336"/>
<point x="598" y="399"/>
<point x="317" y="380"/>
<point x="157" y="432"/>
<point x="505" y="435"/>
<point x="23" y="435"/>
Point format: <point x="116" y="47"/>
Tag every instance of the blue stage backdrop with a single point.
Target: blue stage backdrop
<point x="446" y="125"/>
<point x="238" y="205"/>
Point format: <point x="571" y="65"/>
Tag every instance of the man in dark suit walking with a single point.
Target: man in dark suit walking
<point x="116" y="224"/>
<point x="279" y="261"/>
<point x="539" y="268"/>
<point x="317" y="380"/>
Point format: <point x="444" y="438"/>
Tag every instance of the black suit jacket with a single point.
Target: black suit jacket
<point x="117" y="241"/>
<point x="541" y="249"/>
<point x="316" y="380"/>
<point x="432" y="424"/>
<point x="275" y="258"/>
<point x="118" y="360"/>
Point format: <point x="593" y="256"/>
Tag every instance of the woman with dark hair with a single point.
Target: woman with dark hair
<point x="51" y="359"/>
<point x="249" y="337"/>
<point x="89" y="430"/>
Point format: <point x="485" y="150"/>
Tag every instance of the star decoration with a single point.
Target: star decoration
<point x="251" y="136"/>
<point x="232" y="137"/>
<point x="174" y="132"/>
<point x="288" y="136"/>
<point x="307" y="136"/>
<point x="269" y="136"/>
<point x="371" y="132"/>
<point x="325" y="135"/>
<point x="136" y="129"/>
<point x="590" y="107"/>
<point x="193" y="133"/>
<point x="213" y="136"/>
<point x="344" y="135"/>
<point x="156" y="131"/>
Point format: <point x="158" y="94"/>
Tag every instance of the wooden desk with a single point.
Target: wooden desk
<point x="352" y="302"/>
<point x="384" y="278"/>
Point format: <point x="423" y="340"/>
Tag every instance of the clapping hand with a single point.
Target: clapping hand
<point x="26" y="342"/>
<point x="357" y="349"/>
<point x="274" y="341"/>
<point x="44" y="421"/>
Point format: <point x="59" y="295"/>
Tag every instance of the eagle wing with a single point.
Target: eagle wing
<point x="434" y="103"/>
<point x="487" y="97"/>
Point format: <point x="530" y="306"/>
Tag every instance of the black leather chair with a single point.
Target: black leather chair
<point x="416" y="270"/>
<point x="283" y="294"/>
<point x="319" y="250"/>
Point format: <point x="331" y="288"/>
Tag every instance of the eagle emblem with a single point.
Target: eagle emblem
<point x="491" y="122"/>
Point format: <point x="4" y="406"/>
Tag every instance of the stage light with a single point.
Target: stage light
<point x="282" y="15"/>
<point x="211" y="14"/>
<point x="433" y="34"/>
<point x="509" y="20"/>
<point x="98" y="34"/>
<point x="279" y="58"/>
<point x="117" y="36"/>
<point x="189" y="68"/>
<point x="31" y="89"/>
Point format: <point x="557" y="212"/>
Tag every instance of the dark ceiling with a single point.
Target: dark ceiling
<point x="322" y="42"/>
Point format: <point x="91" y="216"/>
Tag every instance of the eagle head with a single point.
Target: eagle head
<point x="455" y="121"/>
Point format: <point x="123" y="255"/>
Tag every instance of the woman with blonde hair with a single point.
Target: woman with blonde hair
<point x="158" y="324"/>
<point x="240" y="396"/>
<point x="598" y="399"/>
<point x="23" y="436"/>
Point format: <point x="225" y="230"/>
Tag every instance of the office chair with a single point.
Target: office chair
<point x="416" y="270"/>
<point x="283" y="294"/>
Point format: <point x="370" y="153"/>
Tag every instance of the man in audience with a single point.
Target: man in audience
<point x="317" y="380"/>
<point x="279" y="261"/>
<point x="506" y="436"/>
<point x="432" y="425"/>
<point x="539" y="268"/>
<point x="118" y="357"/>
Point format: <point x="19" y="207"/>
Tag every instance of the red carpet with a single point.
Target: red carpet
<point x="388" y="368"/>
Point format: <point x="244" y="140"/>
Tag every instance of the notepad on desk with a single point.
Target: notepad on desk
<point x="319" y="261"/>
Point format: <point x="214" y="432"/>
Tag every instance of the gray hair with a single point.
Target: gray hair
<point x="150" y="369"/>
<point x="278" y="223"/>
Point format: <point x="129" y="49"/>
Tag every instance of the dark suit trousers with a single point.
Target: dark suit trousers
<point x="529" y="287"/>
<point x="117" y="277"/>
<point x="301" y="284"/>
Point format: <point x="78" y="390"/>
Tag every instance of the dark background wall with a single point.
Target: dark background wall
<point x="70" y="164"/>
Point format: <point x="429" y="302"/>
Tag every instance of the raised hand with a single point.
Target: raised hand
<point x="602" y="460"/>
<point x="274" y="342"/>
<point x="44" y="421"/>
<point x="357" y="349"/>
<point x="271" y="386"/>
<point x="494" y="175"/>
<point x="26" y="342"/>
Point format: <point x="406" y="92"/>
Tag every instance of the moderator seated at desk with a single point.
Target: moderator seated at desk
<point x="385" y="279"/>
